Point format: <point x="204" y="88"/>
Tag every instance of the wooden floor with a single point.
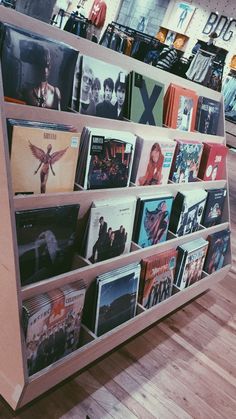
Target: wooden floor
<point x="183" y="367"/>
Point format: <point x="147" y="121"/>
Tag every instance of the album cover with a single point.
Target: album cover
<point x="218" y="246"/>
<point x="109" y="155"/>
<point x="45" y="238"/>
<point x="52" y="325"/>
<point x="152" y="161"/>
<point x="208" y="113"/>
<point x="213" y="162"/>
<point x="43" y="160"/>
<point x="102" y="88"/>
<point x="180" y="107"/>
<point x="110" y="228"/>
<point x="117" y="293"/>
<point x="36" y="70"/>
<point x="214" y="207"/>
<point x="152" y="219"/>
<point x="180" y="41"/>
<point x="145" y="100"/>
<point x="190" y="261"/>
<point x="157" y="276"/>
<point x="187" y="211"/>
<point x="186" y="161"/>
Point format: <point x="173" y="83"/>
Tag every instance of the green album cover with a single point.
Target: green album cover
<point x="146" y="100"/>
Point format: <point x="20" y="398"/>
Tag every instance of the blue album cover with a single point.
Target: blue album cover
<point x="153" y="220"/>
<point x="218" y="245"/>
<point x="186" y="161"/>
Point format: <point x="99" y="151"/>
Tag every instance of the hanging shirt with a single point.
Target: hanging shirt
<point x="97" y="13"/>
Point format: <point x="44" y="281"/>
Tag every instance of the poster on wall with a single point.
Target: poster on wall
<point x="180" y="17"/>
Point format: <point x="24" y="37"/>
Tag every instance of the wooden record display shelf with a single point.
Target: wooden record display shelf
<point x="15" y="386"/>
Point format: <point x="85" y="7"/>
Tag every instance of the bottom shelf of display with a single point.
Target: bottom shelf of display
<point x="95" y="347"/>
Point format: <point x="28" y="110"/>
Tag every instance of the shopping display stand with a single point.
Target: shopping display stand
<point x="16" y="387"/>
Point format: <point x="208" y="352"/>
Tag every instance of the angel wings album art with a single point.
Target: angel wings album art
<point x="43" y="160"/>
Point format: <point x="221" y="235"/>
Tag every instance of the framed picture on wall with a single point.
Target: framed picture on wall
<point x="180" y="17"/>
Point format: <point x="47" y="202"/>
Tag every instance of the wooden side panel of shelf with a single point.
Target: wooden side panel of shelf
<point x="15" y="387"/>
<point x="12" y="376"/>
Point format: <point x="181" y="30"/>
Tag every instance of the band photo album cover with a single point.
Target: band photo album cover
<point x="101" y="87"/>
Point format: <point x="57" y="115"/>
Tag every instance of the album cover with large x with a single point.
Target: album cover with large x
<point x="145" y="100"/>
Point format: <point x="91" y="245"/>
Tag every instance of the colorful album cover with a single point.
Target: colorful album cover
<point x="43" y="160"/>
<point x="187" y="211"/>
<point x="213" y="162"/>
<point x="36" y="70"/>
<point x="52" y="325"/>
<point x="146" y="100"/>
<point x="45" y="238"/>
<point x="157" y="276"/>
<point x="207" y="115"/>
<point x="117" y="298"/>
<point x="186" y="161"/>
<point x="109" y="159"/>
<point x="190" y="261"/>
<point x="110" y="229"/>
<point x="218" y="246"/>
<point x="152" y="161"/>
<point x="153" y="220"/>
<point x="102" y="88"/>
<point x="214" y="207"/>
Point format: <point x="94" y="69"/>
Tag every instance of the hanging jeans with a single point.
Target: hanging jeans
<point x="199" y="67"/>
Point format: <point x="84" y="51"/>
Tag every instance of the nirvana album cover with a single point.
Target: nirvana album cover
<point x="218" y="246"/>
<point x="157" y="276"/>
<point x="43" y="160"/>
<point x="101" y="87"/>
<point x="207" y="118"/>
<point x="117" y="294"/>
<point x="214" y="207"/>
<point x="145" y="101"/>
<point x="186" y="161"/>
<point x="152" y="220"/>
<point x="110" y="228"/>
<point x="152" y="161"/>
<point x="213" y="162"/>
<point x="36" y="71"/>
<point x="52" y="325"/>
<point x="190" y="261"/>
<point x="109" y="156"/>
<point x="45" y="238"/>
<point x="187" y="211"/>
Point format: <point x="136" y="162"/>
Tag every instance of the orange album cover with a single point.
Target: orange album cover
<point x="184" y="109"/>
<point x="180" y="40"/>
<point x="43" y="160"/>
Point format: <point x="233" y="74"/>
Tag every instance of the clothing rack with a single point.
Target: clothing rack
<point x="126" y="30"/>
<point x="73" y="15"/>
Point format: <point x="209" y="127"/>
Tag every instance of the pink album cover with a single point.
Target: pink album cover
<point x="152" y="161"/>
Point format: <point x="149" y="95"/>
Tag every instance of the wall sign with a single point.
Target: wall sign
<point x="222" y="25"/>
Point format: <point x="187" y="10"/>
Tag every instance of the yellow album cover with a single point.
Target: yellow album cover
<point x="43" y="160"/>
